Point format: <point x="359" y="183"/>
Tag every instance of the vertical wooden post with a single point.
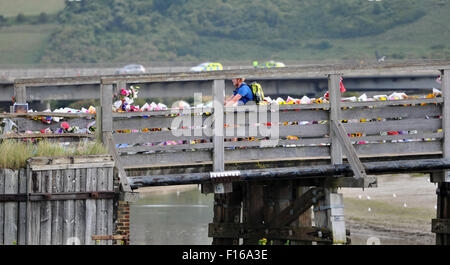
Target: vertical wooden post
<point x="228" y="196"/>
<point x="329" y="212"/>
<point x="11" y="186"/>
<point x="443" y="196"/>
<point x="20" y="93"/>
<point x="106" y="98"/>
<point x="253" y="207"/>
<point x="281" y="196"/>
<point x="335" y="112"/>
<point x="445" y="75"/>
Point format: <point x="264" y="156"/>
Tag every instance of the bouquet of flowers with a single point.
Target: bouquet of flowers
<point x="125" y="98"/>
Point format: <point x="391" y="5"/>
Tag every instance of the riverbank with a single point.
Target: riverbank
<point x="398" y="211"/>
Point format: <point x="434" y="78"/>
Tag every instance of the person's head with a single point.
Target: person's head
<point x="237" y="81"/>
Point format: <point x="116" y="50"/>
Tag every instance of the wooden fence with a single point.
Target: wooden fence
<point x="334" y="130"/>
<point x="36" y="121"/>
<point x="57" y="201"/>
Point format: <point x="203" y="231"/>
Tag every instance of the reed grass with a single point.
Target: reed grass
<point x="14" y="154"/>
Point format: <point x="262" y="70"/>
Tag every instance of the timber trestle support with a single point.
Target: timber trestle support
<point x="276" y="213"/>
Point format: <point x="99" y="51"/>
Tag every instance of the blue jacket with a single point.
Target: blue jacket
<point x="245" y="91"/>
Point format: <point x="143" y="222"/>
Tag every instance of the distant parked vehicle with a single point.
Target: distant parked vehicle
<point x="131" y="69"/>
<point x="268" y="64"/>
<point x="208" y="66"/>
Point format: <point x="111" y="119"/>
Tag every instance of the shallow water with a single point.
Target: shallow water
<point x="182" y="217"/>
<point x="176" y="218"/>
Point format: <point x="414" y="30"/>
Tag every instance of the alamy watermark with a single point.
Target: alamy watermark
<point x="258" y="121"/>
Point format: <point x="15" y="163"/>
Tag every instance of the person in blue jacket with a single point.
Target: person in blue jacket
<point x="241" y="95"/>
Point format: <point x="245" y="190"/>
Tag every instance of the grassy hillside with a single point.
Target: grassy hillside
<point x="181" y="30"/>
<point x="10" y="8"/>
<point x="24" y="44"/>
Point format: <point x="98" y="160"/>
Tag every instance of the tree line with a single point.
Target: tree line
<point x="118" y="30"/>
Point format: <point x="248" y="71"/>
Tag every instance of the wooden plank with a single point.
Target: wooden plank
<point x="80" y="206"/>
<point x="71" y="166"/>
<point x="24" y="124"/>
<point x="335" y="115"/>
<point x="20" y="93"/>
<point x="245" y="118"/>
<point x="230" y="230"/>
<point x="101" y="226"/>
<point x="144" y="160"/>
<point x="166" y="148"/>
<point x="404" y="112"/>
<point x="309" y="130"/>
<point x="109" y="237"/>
<point x="81" y="159"/>
<point x="57" y="208"/>
<point x="398" y="148"/>
<point x="280" y="198"/>
<point x="218" y="129"/>
<point x="46" y="210"/>
<point x="388" y="138"/>
<point x="106" y="98"/>
<point x="91" y="208"/>
<point x="348" y="150"/>
<point x="253" y="207"/>
<point x="2" y="205"/>
<point x="276" y="107"/>
<point x="68" y="215"/>
<point x="170" y="111"/>
<point x="162" y="136"/>
<point x="111" y="145"/>
<point x="284" y="143"/>
<point x="445" y="75"/>
<point x="65" y="136"/>
<point x="317" y="71"/>
<point x="31" y="115"/>
<point x="110" y="203"/>
<point x="36" y="187"/>
<point x="392" y="102"/>
<point x="425" y="125"/>
<point x="275" y="153"/>
<point x="138" y="123"/>
<point x="289" y="214"/>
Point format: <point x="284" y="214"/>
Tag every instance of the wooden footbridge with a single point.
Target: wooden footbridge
<point x="268" y="165"/>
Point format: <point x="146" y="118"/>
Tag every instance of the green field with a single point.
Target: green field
<point x="23" y="44"/>
<point x="10" y="8"/>
<point x="28" y="43"/>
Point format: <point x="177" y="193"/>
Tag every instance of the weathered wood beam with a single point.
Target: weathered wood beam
<point x="256" y="232"/>
<point x="297" y="208"/>
<point x="347" y="147"/>
<point x="297" y="71"/>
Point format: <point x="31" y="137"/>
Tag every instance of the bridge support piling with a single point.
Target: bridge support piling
<point x="227" y="210"/>
<point x="253" y="207"/>
<point x="441" y="225"/>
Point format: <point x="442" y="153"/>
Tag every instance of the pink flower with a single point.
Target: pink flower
<point x="123" y="92"/>
<point x="65" y="125"/>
